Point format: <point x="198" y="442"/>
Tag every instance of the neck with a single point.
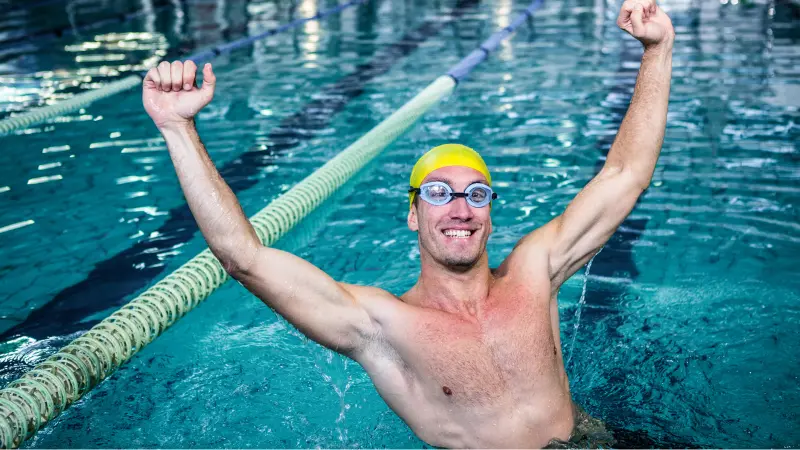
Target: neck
<point x="457" y="291"/>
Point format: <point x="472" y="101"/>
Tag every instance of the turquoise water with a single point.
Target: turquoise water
<point x="690" y="313"/>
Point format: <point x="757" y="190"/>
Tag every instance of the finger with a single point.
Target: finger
<point x="164" y="74"/>
<point x="177" y="75"/>
<point x="645" y="9"/>
<point x="209" y="80"/>
<point x="637" y="20"/>
<point x="625" y="13"/>
<point x="628" y="5"/>
<point x="152" y="79"/>
<point x="189" y="73"/>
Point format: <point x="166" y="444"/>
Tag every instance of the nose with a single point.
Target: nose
<point x="460" y="209"/>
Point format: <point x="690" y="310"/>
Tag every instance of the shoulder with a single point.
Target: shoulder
<point x="530" y="258"/>
<point x="369" y="293"/>
<point x="381" y="305"/>
<point x="388" y="314"/>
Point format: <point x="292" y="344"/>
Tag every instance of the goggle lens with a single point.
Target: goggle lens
<point x="439" y="193"/>
<point x="478" y="195"/>
<point x="436" y="194"/>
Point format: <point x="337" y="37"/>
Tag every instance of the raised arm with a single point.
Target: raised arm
<point x="572" y="238"/>
<point x="326" y="311"/>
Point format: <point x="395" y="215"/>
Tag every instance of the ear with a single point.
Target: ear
<point x="413" y="225"/>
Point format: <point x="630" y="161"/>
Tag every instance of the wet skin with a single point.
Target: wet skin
<point x="483" y="370"/>
<point x="468" y="357"/>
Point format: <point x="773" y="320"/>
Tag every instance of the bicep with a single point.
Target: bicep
<point x="590" y="220"/>
<point x="326" y="311"/>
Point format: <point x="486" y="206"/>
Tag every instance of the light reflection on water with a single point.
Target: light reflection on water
<point x="693" y="305"/>
<point x="132" y="52"/>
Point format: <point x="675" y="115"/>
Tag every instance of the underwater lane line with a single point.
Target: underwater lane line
<point x="114" y="279"/>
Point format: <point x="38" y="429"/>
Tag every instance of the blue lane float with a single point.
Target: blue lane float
<point x="463" y="68"/>
<point x="34" y="399"/>
<point x="40" y="115"/>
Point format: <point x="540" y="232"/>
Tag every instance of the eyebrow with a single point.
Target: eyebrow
<point x="450" y="183"/>
<point x="444" y="180"/>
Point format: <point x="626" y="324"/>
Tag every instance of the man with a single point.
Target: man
<point x="469" y="357"/>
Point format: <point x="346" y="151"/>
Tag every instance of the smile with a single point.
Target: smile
<point x="461" y="234"/>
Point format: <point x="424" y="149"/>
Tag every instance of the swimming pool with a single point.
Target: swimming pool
<point x="689" y="314"/>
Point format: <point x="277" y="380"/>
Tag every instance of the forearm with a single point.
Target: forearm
<point x="216" y="210"/>
<point x="639" y="140"/>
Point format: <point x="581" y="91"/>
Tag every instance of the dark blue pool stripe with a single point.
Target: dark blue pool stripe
<point x="199" y="57"/>
<point x="794" y="8"/>
<point x="616" y="259"/>
<point x="68" y="30"/>
<point x="206" y="55"/>
<point x="33" y="5"/>
<point x="465" y="66"/>
<point x="115" y="279"/>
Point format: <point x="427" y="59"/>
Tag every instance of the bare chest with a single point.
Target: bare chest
<point x="509" y="350"/>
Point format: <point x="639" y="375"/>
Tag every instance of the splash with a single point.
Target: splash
<point x="580" y="307"/>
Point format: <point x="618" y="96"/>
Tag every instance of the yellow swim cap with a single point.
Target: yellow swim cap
<point x="444" y="156"/>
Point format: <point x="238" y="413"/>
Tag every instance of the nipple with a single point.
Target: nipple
<point x="447" y="391"/>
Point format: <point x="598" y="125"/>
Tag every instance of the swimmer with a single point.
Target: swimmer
<point x="469" y="356"/>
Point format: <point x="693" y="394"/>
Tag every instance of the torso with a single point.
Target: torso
<point x="495" y="381"/>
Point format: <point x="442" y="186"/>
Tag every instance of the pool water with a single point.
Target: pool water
<point x="682" y="333"/>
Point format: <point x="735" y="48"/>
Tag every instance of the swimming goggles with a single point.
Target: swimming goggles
<point x="439" y="193"/>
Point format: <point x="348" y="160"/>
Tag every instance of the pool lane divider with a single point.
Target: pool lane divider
<point x="39" y="115"/>
<point x="138" y="266"/>
<point x="34" y="399"/>
<point x="465" y="66"/>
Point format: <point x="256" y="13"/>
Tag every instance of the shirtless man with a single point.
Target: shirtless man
<point x="469" y="357"/>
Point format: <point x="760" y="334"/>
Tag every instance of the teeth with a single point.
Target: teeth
<point x="458" y="233"/>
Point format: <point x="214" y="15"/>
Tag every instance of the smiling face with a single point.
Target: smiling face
<point x="454" y="235"/>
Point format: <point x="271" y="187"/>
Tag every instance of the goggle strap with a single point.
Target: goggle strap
<point x="412" y="189"/>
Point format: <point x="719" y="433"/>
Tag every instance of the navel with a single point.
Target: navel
<point x="447" y="391"/>
<point x="554" y="351"/>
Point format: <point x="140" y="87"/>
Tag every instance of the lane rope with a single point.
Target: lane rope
<point x="40" y="115"/>
<point x="42" y="393"/>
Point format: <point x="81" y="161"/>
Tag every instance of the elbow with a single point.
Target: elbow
<point x="638" y="179"/>
<point x="642" y="181"/>
<point x="237" y="259"/>
<point x="231" y="266"/>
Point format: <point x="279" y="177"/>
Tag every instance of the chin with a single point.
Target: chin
<point x="461" y="261"/>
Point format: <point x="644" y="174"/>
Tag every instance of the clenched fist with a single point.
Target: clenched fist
<point x="171" y="96"/>
<point x="645" y="21"/>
